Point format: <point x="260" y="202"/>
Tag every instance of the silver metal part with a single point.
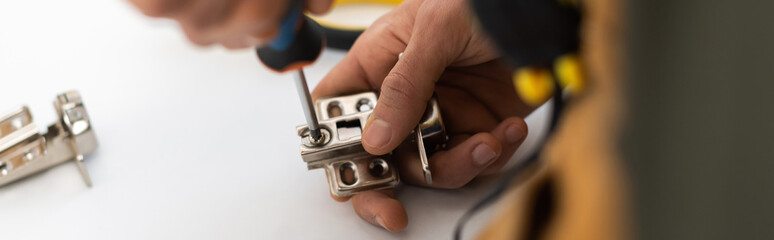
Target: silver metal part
<point x="423" y="157"/>
<point x="306" y="103"/>
<point x="24" y="151"/>
<point x="350" y="169"/>
<point x="431" y="131"/>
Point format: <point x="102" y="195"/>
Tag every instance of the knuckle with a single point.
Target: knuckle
<point x="195" y="35"/>
<point x="397" y="90"/>
<point x="198" y="40"/>
<point x="382" y="25"/>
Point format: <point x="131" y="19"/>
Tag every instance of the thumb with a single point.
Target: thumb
<point x="403" y="96"/>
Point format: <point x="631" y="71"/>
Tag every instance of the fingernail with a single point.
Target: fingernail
<point x="379" y="221"/>
<point x="483" y="154"/>
<point x="514" y="134"/>
<point x="378" y="133"/>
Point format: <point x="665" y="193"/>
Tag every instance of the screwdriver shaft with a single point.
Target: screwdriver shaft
<point x="306" y="104"/>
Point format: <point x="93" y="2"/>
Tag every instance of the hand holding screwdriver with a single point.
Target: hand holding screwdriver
<point x="234" y="24"/>
<point x="298" y="44"/>
<point x="443" y="52"/>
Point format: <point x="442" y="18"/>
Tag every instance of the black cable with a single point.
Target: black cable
<point x="515" y="171"/>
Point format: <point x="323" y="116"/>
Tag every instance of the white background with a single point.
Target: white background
<point x="196" y="143"/>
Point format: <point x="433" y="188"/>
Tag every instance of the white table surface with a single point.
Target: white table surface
<point x="195" y="143"/>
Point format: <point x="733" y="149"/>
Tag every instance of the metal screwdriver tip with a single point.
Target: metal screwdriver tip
<point x="306" y="104"/>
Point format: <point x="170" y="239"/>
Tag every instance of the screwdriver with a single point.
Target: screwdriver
<point x="298" y="44"/>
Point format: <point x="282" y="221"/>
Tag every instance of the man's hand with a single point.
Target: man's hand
<point x="443" y="51"/>
<point x="231" y="23"/>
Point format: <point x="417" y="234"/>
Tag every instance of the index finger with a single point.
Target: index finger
<point x="369" y="60"/>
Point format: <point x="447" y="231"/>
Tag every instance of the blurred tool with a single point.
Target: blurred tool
<point x="298" y="44"/>
<point x="24" y="151"/>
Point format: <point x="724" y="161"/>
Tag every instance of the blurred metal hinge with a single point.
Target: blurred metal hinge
<point x="24" y="151"/>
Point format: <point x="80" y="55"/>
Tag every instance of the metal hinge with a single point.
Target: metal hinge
<point x="350" y="169"/>
<point x="24" y="151"/>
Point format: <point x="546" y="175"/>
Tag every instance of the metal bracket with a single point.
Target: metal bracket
<point x="24" y="151"/>
<point x="349" y="168"/>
